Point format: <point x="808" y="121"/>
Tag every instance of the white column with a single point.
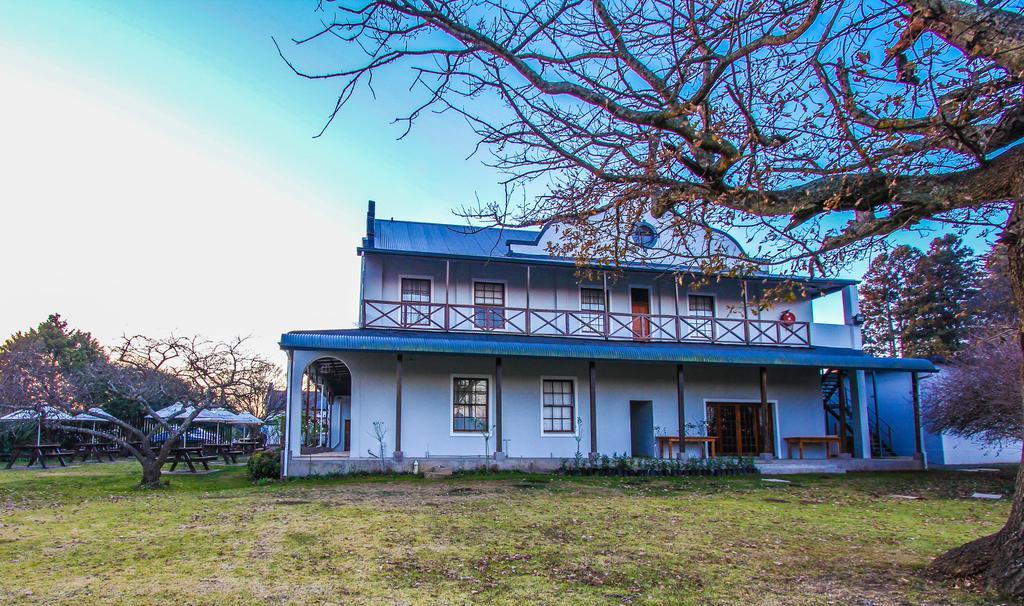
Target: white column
<point x="851" y="307"/>
<point x="861" y="429"/>
<point x="294" y="414"/>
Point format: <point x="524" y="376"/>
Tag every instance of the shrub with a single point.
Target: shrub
<point x="265" y="465"/>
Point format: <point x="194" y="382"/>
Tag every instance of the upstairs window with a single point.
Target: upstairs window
<point x="593" y="300"/>
<point x="415" y="290"/>
<point x="489" y="301"/>
<point x="470" y="404"/>
<point x="559" y="405"/>
<point x="702" y="306"/>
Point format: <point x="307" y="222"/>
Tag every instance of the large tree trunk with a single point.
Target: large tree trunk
<point x="151" y="470"/>
<point x="999" y="558"/>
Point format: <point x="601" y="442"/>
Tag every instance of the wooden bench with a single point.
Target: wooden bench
<point x="828" y="441"/>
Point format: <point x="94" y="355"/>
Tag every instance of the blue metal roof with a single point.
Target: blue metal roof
<point x="363" y="339"/>
<point x="459" y="240"/>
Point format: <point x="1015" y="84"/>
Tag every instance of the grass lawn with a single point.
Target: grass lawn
<point x="85" y="536"/>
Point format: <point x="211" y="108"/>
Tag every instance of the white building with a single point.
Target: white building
<point x="477" y="343"/>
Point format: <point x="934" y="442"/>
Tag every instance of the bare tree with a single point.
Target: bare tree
<point x="193" y="373"/>
<point x="811" y="129"/>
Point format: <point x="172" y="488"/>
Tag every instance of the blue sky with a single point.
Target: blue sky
<point x="160" y="174"/>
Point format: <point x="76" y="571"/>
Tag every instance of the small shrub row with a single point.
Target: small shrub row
<point x="624" y="465"/>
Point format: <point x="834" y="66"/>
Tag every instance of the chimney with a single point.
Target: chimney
<point x="371" y="215"/>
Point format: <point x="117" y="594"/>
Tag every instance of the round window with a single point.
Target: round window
<point x="643" y="235"/>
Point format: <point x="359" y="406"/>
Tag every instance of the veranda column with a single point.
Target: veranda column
<point x="915" y="387"/>
<point x="767" y="448"/>
<point x="293" y="415"/>
<point x="680" y="410"/>
<point x="861" y="429"/>
<point x="593" y="409"/>
<point x="398" y="409"/>
<point x="841" y="378"/>
<point x="498" y="454"/>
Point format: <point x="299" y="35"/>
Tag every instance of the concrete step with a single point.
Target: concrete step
<point x="791" y="467"/>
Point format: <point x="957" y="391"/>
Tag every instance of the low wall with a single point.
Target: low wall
<point x="315" y="465"/>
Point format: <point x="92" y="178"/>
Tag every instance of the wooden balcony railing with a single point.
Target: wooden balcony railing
<point x="583" y="324"/>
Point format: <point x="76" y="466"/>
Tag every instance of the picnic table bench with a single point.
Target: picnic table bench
<point x="230" y="452"/>
<point x="39" y="452"/>
<point x="94" y="449"/>
<point x="190" y="455"/>
<point x="828" y="441"/>
<point x="249" y="445"/>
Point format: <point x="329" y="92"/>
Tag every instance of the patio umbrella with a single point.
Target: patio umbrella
<point x="247" y="419"/>
<point x="85" y="417"/>
<point x="43" y="414"/>
<point x="217" y="416"/>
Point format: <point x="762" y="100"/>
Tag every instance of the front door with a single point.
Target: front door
<point x="737" y="425"/>
<point x="641" y="428"/>
<point x="640" y="300"/>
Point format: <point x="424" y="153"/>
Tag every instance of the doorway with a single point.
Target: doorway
<point x="737" y="425"/>
<point x="640" y="305"/>
<point x="641" y="428"/>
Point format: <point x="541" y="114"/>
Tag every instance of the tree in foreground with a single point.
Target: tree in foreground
<point x="812" y="129"/>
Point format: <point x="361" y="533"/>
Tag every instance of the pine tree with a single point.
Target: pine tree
<point x="939" y="299"/>
<point x="883" y="300"/>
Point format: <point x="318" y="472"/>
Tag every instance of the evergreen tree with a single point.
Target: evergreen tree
<point x="939" y="299"/>
<point x="883" y="300"/>
<point x="74" y="350"/>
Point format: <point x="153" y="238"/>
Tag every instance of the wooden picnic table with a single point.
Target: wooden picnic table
<point x="95" y="449"/>
<point x="248" y="445"/>
<point x="190" y="455"/>
<point x="39" y="452"/>
<point x="828" y="441"/>
<point x="226" y="450"/>
<point x="666" y="442"/>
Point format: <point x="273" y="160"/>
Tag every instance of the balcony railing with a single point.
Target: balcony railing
<point x="583" y="324"/>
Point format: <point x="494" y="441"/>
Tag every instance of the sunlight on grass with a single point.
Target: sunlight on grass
<point x="86" y="535"/>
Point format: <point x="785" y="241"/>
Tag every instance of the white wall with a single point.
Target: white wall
<point x="426" y="401"/>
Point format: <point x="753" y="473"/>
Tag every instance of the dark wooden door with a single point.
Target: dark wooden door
<point x="348" y="434"/>
<point x="737" y="425"/>
<point x="640" y="301"/>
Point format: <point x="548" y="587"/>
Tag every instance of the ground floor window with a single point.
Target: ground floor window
<point x="559" y="405"/>
<point x="470" y="404"/>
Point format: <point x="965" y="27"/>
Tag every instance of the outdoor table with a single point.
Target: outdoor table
<point x="229" y="452"/>
<point x="828" y="441"/>
<point x="666" y="442"/>
<point x="38" y="452"/>
<point x="248" y="444"/>
<point x="190" y="455"/>
<point x="94" y="449"/>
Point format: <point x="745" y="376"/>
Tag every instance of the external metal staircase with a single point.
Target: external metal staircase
<point x="880" y="431"/>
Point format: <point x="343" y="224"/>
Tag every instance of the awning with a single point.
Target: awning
<point x="404" y="341"/>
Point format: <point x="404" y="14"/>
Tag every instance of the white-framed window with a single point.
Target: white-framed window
<point x="701" y="305"/>
<point x="415" y="290"/>
<point x="470" y="404"/>
<point x="558" y="405"/>
<point x="592" y="300"/>
<point x="489" y="305"/>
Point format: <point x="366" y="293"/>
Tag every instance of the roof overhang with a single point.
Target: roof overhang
<point x="402" y="341"/>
